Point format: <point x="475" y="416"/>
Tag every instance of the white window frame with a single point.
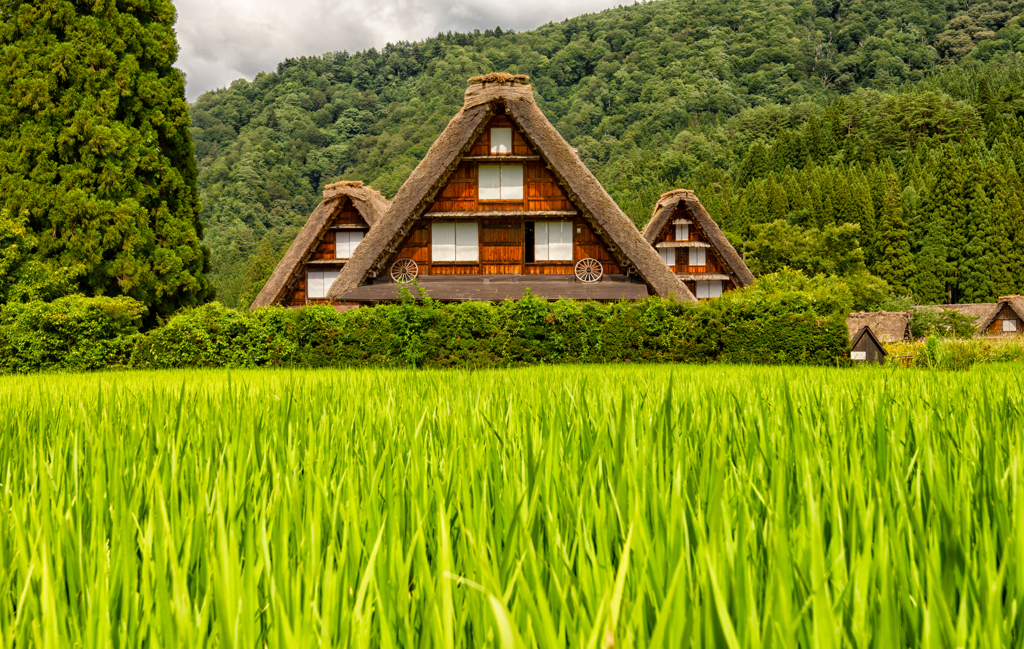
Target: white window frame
<point x="553" y="248"/>
<point x="697" y="252"/>
<point x="504" y="184"/>
<point x="455" y="242"/>
<point x="1009" y="325"/>
<point x="709" y="288"/>
<point x="319" y="282"/>
<point x="668" y="255"/>
<point x="501" y="140"/>
<point x="344" y="245"/>
<point x="682" y="232"/>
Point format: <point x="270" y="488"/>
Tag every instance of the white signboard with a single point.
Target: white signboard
<point x="859" y="356"/>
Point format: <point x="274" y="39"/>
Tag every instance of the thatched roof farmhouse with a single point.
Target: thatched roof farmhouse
<point x="501" y="204"/>
<point x="690" y="242"/>
<point x="887" y="326"/>
<point x="324" y="245"/>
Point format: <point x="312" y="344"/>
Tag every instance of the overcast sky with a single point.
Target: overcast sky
<point x="223" y="40"/>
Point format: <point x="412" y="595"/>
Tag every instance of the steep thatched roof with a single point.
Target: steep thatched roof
<point x="888" y="326"/>
<point x="481" y="102"/>
<point x="980" y="312"/>
<point x="370" y="204"/>
<point x="682" y="203"/>
<point x="1015" y="302"/>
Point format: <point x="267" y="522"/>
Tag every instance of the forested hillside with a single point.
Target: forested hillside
<point x="838" y="137"/>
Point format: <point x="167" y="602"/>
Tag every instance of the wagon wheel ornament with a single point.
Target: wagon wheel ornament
<point x="404" y="270"/>
<point x="589" y="270"/>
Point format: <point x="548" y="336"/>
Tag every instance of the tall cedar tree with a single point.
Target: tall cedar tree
<point x="96" y="155"/>
<point x="896" y="264"/>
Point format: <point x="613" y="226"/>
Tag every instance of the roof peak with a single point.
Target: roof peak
<point x="497" y="85"/>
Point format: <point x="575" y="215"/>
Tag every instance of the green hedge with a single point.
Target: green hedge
<point x="764" y="324"/>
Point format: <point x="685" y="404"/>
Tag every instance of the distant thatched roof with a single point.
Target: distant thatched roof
<point x="888" y="326"/>
<point x="499" y="77"/>
<point x="370" y="204"/>
<point x="481" y="102"/>
<point x="1015" y="302"/>
<point x="683" y="200"/>
<point x="980" y="312"/>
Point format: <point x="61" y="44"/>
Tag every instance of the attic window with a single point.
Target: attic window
<point x="501" y="182"/>
<point x="1009" y="325"/>
<point x="698" y="257"/>
<point x="318" y="282"/>
<point x="682" y="232"/>
<point x="501" y="141"/>
<point x="345" y="243"/>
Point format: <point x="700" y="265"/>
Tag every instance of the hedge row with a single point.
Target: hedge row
<point x="766" y="325"/>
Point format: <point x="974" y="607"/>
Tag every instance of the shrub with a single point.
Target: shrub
<point x="73" y="333"/>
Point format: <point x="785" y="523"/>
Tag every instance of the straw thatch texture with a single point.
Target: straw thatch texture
<point x="499" y="77"/>
<point x="683" y="203"/>
<point x="980" y="312"/>
<point x="429" y="177"/>
<point x="370" y="204"/>
<point x="1015" y="302"/>
<point x="887" y="326"/>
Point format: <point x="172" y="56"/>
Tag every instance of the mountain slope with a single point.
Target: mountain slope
<point x="719" y="96"/>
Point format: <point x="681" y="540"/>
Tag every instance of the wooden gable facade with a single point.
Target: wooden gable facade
<point x="506" y="228"/>
<point x="327" y="241"/>
<point x="326" y="259"/>
<point x="689" y="241"/>
<point x="501" y="205"/>
<point x="1007" y="319"/>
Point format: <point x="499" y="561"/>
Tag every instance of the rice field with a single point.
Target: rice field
<point x="597" y="506"/>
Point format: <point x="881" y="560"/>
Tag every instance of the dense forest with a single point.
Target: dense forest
<point x="879" y="140"/>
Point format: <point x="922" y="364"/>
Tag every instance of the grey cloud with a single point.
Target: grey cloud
<point x="224" y="40"/>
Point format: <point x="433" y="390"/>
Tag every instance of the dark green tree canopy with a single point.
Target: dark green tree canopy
<point x="97" y="171"/>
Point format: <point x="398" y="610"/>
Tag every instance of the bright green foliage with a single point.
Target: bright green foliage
<point x="942" y="323"/>
<point x="544" y="507"/>
<point x="96" y="156"/>
<point x="785" y="318"/>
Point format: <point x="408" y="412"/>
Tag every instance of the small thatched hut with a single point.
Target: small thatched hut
<point x="887" y="326"/>
<point x="324" y="246"/>
<point x="501" y="204"/>
<point x="690" y="242"/>
<point x="1007" y="318"/>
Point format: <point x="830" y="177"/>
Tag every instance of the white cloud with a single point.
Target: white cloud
<point x="223" y="40"/>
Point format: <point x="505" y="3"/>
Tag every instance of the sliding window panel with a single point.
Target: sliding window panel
<point x="490" y="182"/>
<point x="668" y="255"/>
<point x="560" y="240"/>
<point x="442" y="242"/>
<point x="315" y="284"/>
<point x="702" y="290"/>
<point x="511" y="182"/>
<point x="329" y="277"/>
<point x="682" y="232"/>
<point x="540" y="242"/>
<point x="467" y="242"/>
<point x="715" y="288"/>
<point x="501" y="140"/>
<point x="698" y="257"/>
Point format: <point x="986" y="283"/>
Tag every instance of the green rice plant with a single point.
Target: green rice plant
<point x="594" y="506"/>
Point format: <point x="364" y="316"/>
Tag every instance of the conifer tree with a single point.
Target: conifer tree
<point x="896" y="263"/>
<point x="96" y="153"/>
